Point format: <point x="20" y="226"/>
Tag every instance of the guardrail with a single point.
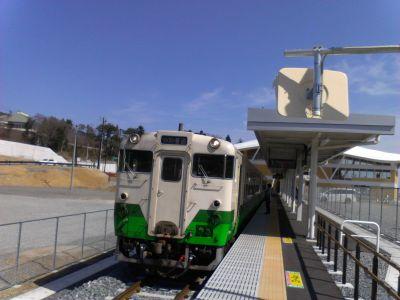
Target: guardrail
<point x="35" y="247"/>
<point x="328" y="233"/>
<point x="380" y="205"/>
<point x="25" y="162"/>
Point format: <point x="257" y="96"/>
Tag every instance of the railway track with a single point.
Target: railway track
<point x="135" y="289"/>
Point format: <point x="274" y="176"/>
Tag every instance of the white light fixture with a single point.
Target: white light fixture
<point x="134" y="139"/>
<point x="214" y="143"/>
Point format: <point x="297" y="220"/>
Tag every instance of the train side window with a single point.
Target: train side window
<point x="171" y="169"/>
<point x="229" y="167"/>
<point x="136" y="161"/>
<point x="213" y="166"/>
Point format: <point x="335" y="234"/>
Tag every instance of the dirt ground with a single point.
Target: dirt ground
<point x="11" y="158"/>
<point x="52" y="177"/>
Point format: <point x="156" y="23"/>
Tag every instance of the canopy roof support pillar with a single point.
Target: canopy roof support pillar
<point x="312" y="197"/>
<point x="298" y="184"/>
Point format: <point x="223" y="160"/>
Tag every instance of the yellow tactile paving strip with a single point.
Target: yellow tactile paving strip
<point x="272" y="284"/>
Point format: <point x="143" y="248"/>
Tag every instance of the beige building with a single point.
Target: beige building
<point x="358" y="166"/>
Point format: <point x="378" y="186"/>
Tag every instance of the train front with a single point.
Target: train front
<point x="176" y="199"/>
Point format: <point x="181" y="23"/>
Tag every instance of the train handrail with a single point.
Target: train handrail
<point x="377" y="237"/>
<point x="321" y="224"/>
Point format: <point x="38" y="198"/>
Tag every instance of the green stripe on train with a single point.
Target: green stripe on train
<point x="209" y="227"/>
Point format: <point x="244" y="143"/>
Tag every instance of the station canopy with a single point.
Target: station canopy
<point x="281" y="138"/>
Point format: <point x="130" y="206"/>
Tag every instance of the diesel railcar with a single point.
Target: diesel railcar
<point x="181" y="198"/>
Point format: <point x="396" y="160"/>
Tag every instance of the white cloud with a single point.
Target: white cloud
<point x="136" y="113"/>
<point x="203" y="100"/>
<point x="261" y="96"/>
<point x="377" y="76"/>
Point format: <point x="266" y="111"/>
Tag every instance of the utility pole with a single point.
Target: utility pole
<point x="101" y="144"/>
<point x="71" y="183"/>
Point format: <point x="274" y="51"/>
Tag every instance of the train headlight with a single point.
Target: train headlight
<point x="134" y="138"/>
<point x="216" y="203"/>
<point x="214" y="143"/>
<point x="123" y="196"/>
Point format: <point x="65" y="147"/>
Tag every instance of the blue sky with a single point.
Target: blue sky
<point x="157" y="63"/>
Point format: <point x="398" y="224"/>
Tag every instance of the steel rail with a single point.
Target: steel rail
<point x="136" y="287"/>
<point x="133" y="289"/>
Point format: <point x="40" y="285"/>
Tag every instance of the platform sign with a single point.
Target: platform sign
<point x="293" y="89"/>
<point x="293" y="279"/>
<point x="287" y="240"/>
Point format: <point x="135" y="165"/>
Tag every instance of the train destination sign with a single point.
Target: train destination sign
<point x="173" y="140"/>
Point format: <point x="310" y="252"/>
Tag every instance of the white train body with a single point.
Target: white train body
<point x="178" y="191"/>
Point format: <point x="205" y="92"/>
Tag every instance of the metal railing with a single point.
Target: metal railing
<point x="328" y="234"/>
<point x="380" y="205"/>
<point x="36" y="247"/>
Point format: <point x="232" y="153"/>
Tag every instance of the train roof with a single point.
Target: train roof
<point x="147" y="141"/>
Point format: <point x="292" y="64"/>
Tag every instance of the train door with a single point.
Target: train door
<point x="168" y="197"/>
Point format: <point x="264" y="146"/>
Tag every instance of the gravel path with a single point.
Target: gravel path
<point x="108" y="284"/>
<point x="365" y="283"/>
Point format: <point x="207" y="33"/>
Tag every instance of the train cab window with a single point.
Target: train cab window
<point x="135" y="161"/>
<point x="214" y="166"/>
<point x="229" y="167"/>
<point x="171" y="169"/>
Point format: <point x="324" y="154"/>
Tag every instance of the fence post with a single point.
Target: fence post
<point x="351" y="209"/>
<point x="375" y="272"/>
<point x="397" y="209"/>
<point x="380" y="219"/>
<point x="369" y="204"/>
<point x="359" y="206"/>
<point x="317" y="235"/>
<point x="357" y="272"/>
<point x="329" y="243"/>
<point x="344" y="260"/>
<point x="335" y="254"/>
<point x="398" y="285"/>
<point x="105" y="230"/>
<point x="18" y="251"/>
<point x="55" y="244"/>
<point x="323" y="236"/>
<point x="83" y="234"/>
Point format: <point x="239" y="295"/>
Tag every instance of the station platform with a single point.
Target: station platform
<point x="271" y="259"/>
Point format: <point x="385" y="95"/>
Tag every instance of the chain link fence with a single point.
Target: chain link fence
<point x="35" y="247"/>
<point x="380" y="205"/>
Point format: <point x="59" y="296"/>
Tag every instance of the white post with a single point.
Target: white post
<point x="298" y="173"/>
<point x="312" y="198"/>
<point x="293" y="190"/>
<point x="284" y="187"/>
<point x="287" y="189"/>
<point x="71" y="183"/>
<point x="300" y="197"/>
<point x="290" y="187"/>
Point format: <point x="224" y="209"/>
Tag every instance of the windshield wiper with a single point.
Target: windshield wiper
<point x="205" y="179"/>
<point x="134" y="175"/>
